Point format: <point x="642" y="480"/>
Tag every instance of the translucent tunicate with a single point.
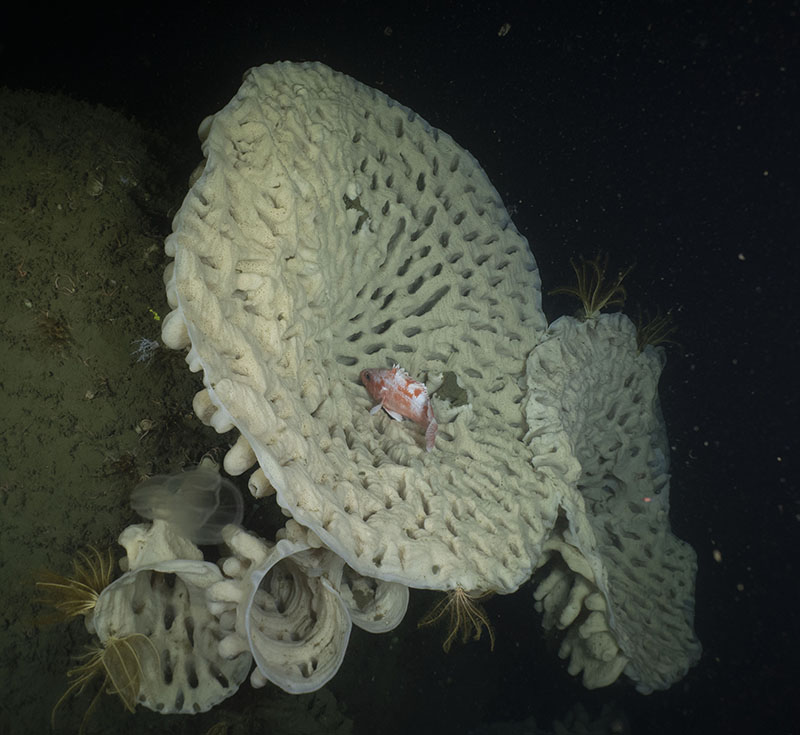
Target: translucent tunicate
<point x="199" y="502"/>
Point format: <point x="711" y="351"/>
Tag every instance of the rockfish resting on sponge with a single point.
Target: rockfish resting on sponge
<point x="401" y="397"/>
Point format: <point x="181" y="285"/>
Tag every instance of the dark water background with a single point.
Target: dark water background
<point x="664" y="135"/>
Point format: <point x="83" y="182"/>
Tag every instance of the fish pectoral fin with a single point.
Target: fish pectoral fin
<point x="396" y="416"/>
<point x="377" y="407"/>
<point x="430" y="434"/>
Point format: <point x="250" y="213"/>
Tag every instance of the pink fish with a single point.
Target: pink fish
<point x="401" y="397"/>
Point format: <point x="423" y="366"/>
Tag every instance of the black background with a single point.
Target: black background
<point x="662" y="133"/>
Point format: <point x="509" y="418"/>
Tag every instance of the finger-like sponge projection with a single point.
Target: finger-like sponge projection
<point x="614" y="576"/>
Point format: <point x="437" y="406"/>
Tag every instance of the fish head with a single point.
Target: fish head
<point x="373" y="381"/>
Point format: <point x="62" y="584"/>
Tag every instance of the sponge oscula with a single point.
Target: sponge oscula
<point x="333" y="230"/>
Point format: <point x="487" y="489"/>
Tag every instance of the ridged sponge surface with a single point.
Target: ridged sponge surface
<point x="331" y="230"/>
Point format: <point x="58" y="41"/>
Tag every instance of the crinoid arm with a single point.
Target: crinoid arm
<point x="122" y="661"/>
<point x="464" y="615"/>
<point x="80" y="677"/>
<point x="77" y="594"/>
<point x="655" y="330"/>
<point x="593" y="289"/>
<point x="119" y="660"/>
